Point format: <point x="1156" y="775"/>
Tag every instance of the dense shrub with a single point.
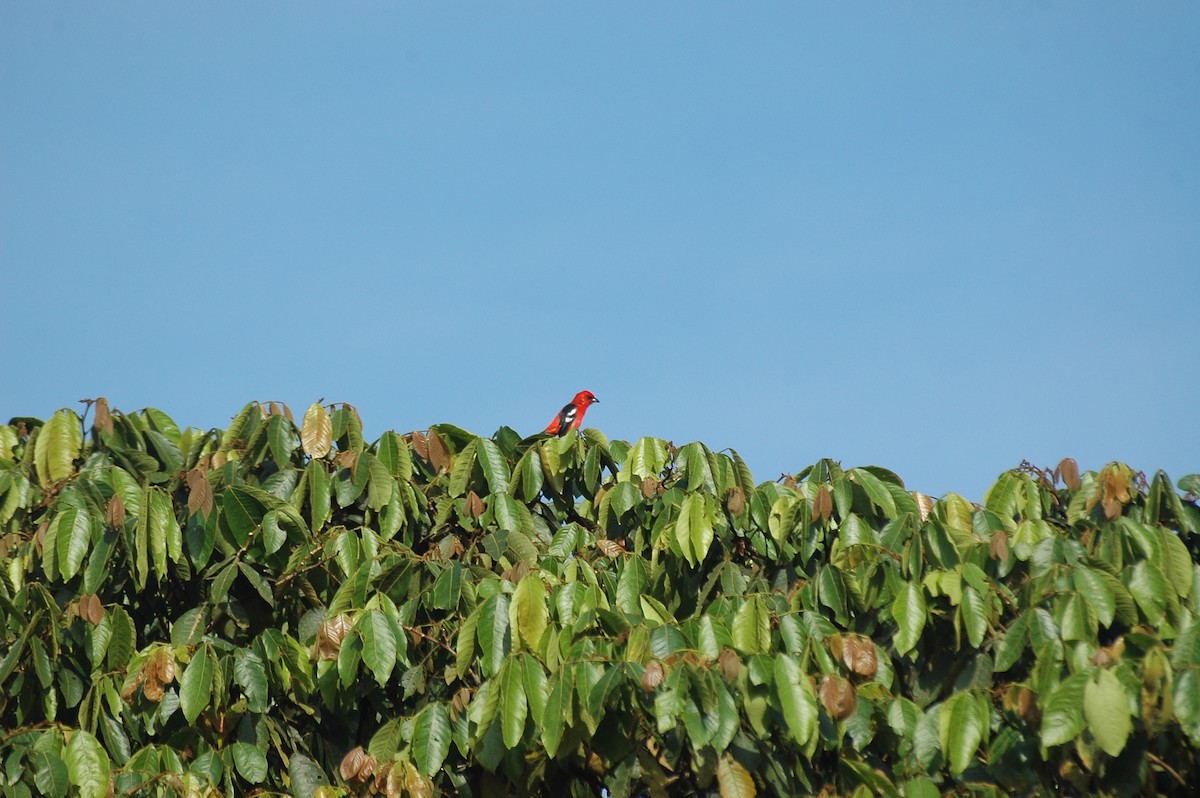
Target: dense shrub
<point x="286" y="608"/>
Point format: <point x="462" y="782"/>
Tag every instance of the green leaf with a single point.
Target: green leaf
<point x="306" y="775"/>
<point x="431" y="738"/>
<point x="962" y="723"/>
<point x="50" y="774"/>
<point x="57" y="447"/>
<point x="250" y="673"/>
<point x="752" y="627"/>
<point x="514" y="706"/>
<point x="394" y="453"/>
<point x="1096" y="592"/>
<point x="494" y="640"/>
<point x="87" y="765"/>
<point x="1062" y="713"/>
<point x="464" y="649"/>
<point x="387" y="741"/>
<point x="796" y="698"/>
<point x="876" y="491"/>
<point x="1106" y="709"/>
<point x="464" y="463"/>
<point x="694" y="529"/>
<point x="1012" y="645"/>
<point x="249" y="761"/>
<point x="242" y="512"/>
<point x="909" y="612"/>
<point x="73" y="536"/>
<point x="195" y="688"/>
<point x="974" y="615"/>
<point x="495" y="469"/>
<point x="528" y="613"/>
<point x="535" y="688"/>
<point x="555" y="720"/>
<point x="527" y="476"/>
<point x="379" y="644"/>
<point x="380" y="482"/>
<point x="319" y="493"/>
<point x="1187" y="703"/>
<point x="1149" y="588"/>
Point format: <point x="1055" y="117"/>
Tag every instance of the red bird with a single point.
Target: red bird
<point x="571" y="416"/>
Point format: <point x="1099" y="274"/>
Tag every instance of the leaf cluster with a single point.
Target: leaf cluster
<point x="282" y="606"/>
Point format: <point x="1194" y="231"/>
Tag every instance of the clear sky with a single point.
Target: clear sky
<point x="937" y="237"/>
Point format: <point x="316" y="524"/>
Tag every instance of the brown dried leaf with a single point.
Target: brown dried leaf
<point x="114" y="511"/>
<point x="837" y="645"/>
<point x="131" y="688"/>
<point x="273" y="409"/>
<point x="330" y="635"/>
<point x="823" y="503"/>
<point x="610" y="548"/>
<point x="1116" y="481"/>
<point x="859" y="655"/>
<point x="420" y="444"/>
<point x="200" y="495"/>
<point x="103" y="421"/>
<point x="163" y="665"/>
<point x="999" y="545"/>
<point x="730" y="664"/>
<point x="1068" y="469"/>
<point x="735" y="500"/>
<point x="474" y="505"/>
<point x="924" y="504"/>
<point x="1027" y="706"/>
<point x="460" y="701"/>
<point x="838" y="696"/>
<point x="439" y="453"/>
<point x="357" y="766"/>
<point x="517" y="572"/>
<point x="650" y="487"/>
<point x="653" y="675"/>
<point x="90" y="609"/>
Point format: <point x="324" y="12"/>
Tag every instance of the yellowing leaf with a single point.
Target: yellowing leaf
<point x="734" y="780"/>
<point x="316" y="431"/>
<point x="58" y="445"/>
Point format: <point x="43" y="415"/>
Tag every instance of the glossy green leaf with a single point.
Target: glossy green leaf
<point x="379" y="644"/>
<point x="528" y="613"/>
<point x="1062" y="712"/>
<point x="752" y="627"/>
<point x="962" y="723"/>
<point x="796" y="699"/>
<point x="394" y="453"/>
<point x="249" y="761"/>
<point x="515" y="706"/>
<point x="431" y="738"/>
<point x="495" y="469"/>
<point x="494" y="639"/>
<point x="88" y="765"/>
<point x="909" y="612"/>
<point x="72" y="538"/>
<point x="875" y="489"/>
<point x="1106" y="709"/>
<point x="195" y="687"/>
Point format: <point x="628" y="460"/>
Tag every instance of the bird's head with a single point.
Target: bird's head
<point x="585" y="398"/>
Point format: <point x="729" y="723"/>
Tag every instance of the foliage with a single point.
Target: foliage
<point x="285" y="608"/>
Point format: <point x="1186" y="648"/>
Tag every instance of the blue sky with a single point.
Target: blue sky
<point x="936" y="237"/>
